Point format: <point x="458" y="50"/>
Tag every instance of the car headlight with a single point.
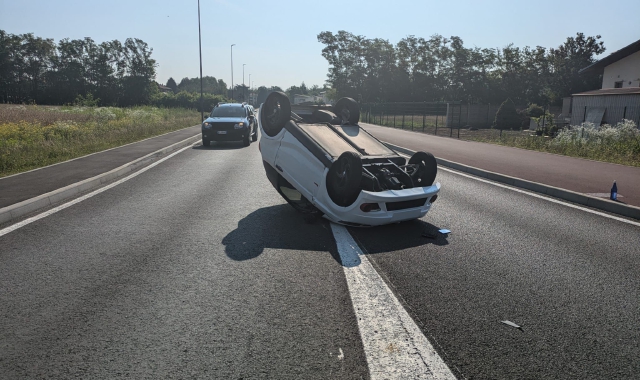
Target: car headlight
<point x="238" y="126"/>
<point x="207" y="125"/>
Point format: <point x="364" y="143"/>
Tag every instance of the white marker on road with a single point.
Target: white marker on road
<point x="394" y="345"/>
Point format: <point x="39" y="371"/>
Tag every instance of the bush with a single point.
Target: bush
<point x="534" y="110"/>
<point x="87" y="101"/>
<point x="507" y="116"/>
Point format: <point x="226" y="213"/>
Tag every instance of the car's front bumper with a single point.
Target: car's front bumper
<point x="225" y="135"/>
<point x="394" y="206"/>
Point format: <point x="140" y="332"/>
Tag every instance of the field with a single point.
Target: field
<point x="35" y="136"/>
<point x="618" y="144"/>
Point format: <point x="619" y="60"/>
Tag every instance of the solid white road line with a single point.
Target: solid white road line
<point x="14" y="227"/>
<point x="394" y="345"/>
<point x="546" y="198"/>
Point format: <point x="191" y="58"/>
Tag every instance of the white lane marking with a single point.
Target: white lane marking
<point x="394" y="345"/>
<point x="542" y="197"/>
<point x="538" y="196"/>
<point x="14" y="227"/>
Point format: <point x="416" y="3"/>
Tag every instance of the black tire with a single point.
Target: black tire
<point x="205" y="142"/>
<point x="246" y="141"/>
<point x="275" y="113"/>
<point x="427" y="169"/>
<point x="348" y="110"/>
<point x="343" y="179"/>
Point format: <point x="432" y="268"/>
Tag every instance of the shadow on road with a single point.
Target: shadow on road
<point x="277" y="227"/>
<point x="282" y="227"/>
<point x="220" y="145"/>
<point x="398" y="236"/>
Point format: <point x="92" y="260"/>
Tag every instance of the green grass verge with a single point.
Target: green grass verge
<point x="37" y="136"/>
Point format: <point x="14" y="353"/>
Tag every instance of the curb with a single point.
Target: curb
<point x="556" y="192"/>
<point x="9" y="213"/>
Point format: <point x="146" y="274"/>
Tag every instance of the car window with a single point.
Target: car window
<point x="228" y="112"/>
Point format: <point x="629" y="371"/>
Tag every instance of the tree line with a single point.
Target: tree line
<point x="210" y="85"/>
<point x="443" y="69"/>
<point x="37" y="70"/>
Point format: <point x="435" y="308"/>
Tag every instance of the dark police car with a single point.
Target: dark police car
<point x="230" y="122"/>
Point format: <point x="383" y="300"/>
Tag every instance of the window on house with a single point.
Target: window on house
<point x="617" y="85"/>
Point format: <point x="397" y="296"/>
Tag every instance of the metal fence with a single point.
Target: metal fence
<point x="430" y="116"/>
<point x="407" y="115"/>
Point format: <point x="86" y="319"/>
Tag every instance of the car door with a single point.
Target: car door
<point x="252" y="120"/>
<point x="298" y="166"/>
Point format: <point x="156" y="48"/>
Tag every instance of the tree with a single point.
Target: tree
<point x="210" y="85"/>
<point x="507" y="116"/>
<point x="568" y="59"/>
<point x="293" y="90"/>
<point x="172" y="85"/>
<point x="263" y="92"/>
<point x="345" y="54"/>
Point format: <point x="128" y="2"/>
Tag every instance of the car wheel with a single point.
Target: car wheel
<point x="348" y="110"/>
<point x="427" y="169"/>
<point x="205" y="142"/>
<point x="275" y="112"/>
<point x="343" y="179"/>
<point x="254" y="137"/>
<point x="246" y="141"/>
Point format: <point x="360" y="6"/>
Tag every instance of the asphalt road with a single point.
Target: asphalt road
<point x="196" y="268"/>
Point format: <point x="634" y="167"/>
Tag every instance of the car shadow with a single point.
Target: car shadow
<point x="277" y="227"/>
<point x="220" y="145"/>
<point x="398" y="236"/>
<point x="282" y="227"/>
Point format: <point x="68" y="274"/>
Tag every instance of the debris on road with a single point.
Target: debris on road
<point x="431" y="234"/>
<point x="509" y="323"/>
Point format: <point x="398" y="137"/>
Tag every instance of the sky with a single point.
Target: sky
<point x="276" y="42"/>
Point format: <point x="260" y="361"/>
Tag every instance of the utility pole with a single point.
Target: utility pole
<point x="200" y="48"/>
<point x="232" y="45"/>
<point x="244" y="95"/>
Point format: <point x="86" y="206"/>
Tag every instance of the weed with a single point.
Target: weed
<point x="36" y="136"/>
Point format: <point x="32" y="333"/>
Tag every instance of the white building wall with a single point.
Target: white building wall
<point x="625" y="70"/>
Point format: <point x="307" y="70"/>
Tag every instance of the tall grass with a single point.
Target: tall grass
<point x="36" y="136"/>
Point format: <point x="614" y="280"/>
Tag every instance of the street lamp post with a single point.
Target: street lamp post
<point x="250" y="88"/>
<point x="200" y="49"/>
<point x="244" y="97"/>
<point x="232" y="45"/>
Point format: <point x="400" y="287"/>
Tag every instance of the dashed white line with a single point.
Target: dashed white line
<point x="394" y="345"/>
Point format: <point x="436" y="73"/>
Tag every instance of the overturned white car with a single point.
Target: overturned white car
<point x="323" y="163"/>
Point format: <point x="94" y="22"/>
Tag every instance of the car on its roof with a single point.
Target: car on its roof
<point x="323" y="163"/>
<point x="230" y="122"/>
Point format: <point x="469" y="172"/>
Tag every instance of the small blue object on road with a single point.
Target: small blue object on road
<point x="444" y="231"/>
<point x="614" y="192"/>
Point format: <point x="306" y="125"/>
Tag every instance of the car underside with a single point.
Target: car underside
<point x="322" y="163"/>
